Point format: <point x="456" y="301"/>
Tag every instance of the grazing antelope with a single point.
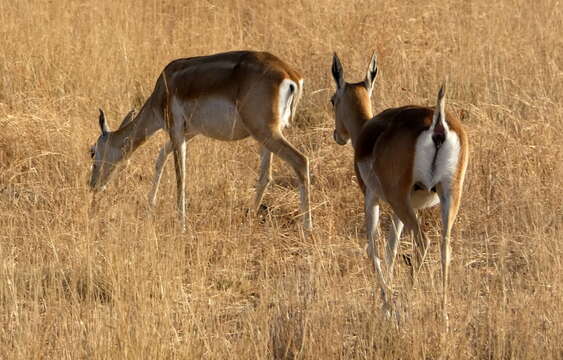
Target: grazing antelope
<point x="228" y="96"/>
<point x="412" y="157"/>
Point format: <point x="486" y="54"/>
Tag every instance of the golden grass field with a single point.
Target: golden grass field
<point x="124" y="282"/>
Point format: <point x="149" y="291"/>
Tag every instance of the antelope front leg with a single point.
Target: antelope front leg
<point x="265" y="176"/>
<point x="180" y="166"/>
<point x="372" y="222"/>
<point x="159" y="168"/>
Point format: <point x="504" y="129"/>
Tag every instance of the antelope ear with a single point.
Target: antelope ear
<point x="103" y="123"/>
<point x="337" y="72"/>
<point x="371" y="73"/>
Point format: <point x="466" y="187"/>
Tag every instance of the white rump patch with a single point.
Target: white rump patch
<point x="287" y="92"/>
<point x="430" y="171"/>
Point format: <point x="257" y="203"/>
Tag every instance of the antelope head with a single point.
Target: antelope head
<point x="351" y="100"/>
<point x="105" y="155"/>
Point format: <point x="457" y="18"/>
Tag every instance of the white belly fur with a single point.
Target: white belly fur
<point x="214" y="117"/>
<point x="421" y="199"/>
<point x="445" y="164"/>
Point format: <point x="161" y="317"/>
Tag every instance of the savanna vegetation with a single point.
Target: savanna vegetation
<point x="124" y="282"/>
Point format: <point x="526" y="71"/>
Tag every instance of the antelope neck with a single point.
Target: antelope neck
<point x="136" y="132"/>
<point x="356" y="123"/>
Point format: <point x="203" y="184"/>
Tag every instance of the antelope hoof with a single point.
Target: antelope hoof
<point x="407" y="259"/>
<point x="260" y="212"/>
<point x="262" y="209"/>
<point x="392" y="313"/>
<point x="152" y="202"/>
<point x="387" y="310"/>
<point x="446" y="320"/>
<point x="183" y="226"/>
<point x="308" y="225"/>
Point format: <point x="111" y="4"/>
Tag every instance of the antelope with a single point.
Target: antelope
<point x="411" y="157"/>
<point x="227" y="96"/>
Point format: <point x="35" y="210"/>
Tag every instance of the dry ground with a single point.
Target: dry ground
<point x="124" y="283"/>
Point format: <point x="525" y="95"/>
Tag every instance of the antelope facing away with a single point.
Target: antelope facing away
<point x="227" y="96"/>
<point x="412" y="157"/>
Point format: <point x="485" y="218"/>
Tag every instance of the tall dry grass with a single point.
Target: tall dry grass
<point x="125" y="283"/>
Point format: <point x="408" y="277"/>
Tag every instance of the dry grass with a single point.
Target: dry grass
<point x="124" y="283"/>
